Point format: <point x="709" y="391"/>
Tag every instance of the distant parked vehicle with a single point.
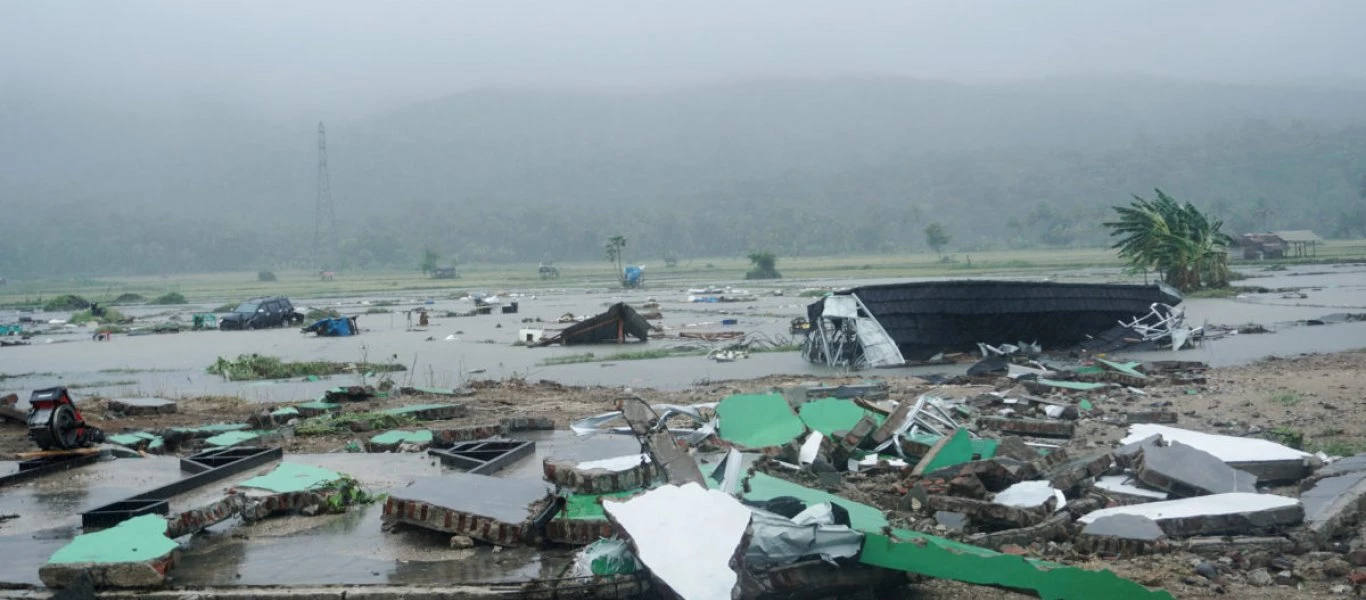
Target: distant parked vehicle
<point x="261" y="313"/>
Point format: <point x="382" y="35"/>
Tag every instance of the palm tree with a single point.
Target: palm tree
<point x="614" y="247"/>
<point x="1176" y="240"/>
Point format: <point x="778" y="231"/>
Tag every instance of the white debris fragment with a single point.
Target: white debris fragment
<point x="686" y="535"/>
<point x="1224" y="447"/>
<point x="617" y="463"/>
<point x="1215" y="504"/>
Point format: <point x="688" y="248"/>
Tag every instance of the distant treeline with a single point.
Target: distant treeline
<point x="791" y="169"/>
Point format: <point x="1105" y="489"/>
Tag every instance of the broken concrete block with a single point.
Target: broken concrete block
<point x="1343" y="466"/>
<point x="428" y="412"/>
<point x="138" y="440"/>
<point x="133" y="554"/>
<point x="1267" y="460"/>
<point x="618" y="474"/>
<point x="275" y="418"/>
<point x="391" y="441"/>
<point x="1121" y="534"/>
<point x="317" y="408"/>
<point x="1128" y="454"/>
<point x="446" y="437"/>
<point x="492" y="509"/>
<point x="1120" y="489"/>
<point x="952" y="521"/>
<point x="1055" y="527"/>
<point x="197" y="519"/>
<point x="757" y="421"/>
<point x="1075" y="472"/>
<point x="1029" y="427"/>
<point x="1151" y="416"/>
<point x="1232" y="514"/>
<point x="1334" y="506"/>
<point x="995" y="474"/>
<point x="237" y="438"/>
<point x="1224" y="544"/>
<point x="998" y="516"/>
<point x="582" y="521"/>
<point x="527" y="423"/>
<point x="1185" y="471"/>
<point x="688" y="536"/>
<point x="893" y="421"/>
<point x="832" y="414"/>
<point x="142" y="406"/>
<point x="1014" y="447"/>
<point x="859" y="434"/>
<point x="291" y="487"/>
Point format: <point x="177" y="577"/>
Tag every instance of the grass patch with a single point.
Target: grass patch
<point x="248" y="367"/>
<point x="1286" y="399"/>
<point x="318" y="314"/>
<point x="98" y="384"/>
<point x="1338" y="447"/>
<point x="1223" y="292"/>
<point x="1288" y="437"/>
<point x="226" y="308"/>
<point x="129" y="298"/>
<point x="110" y="315"/>
<point x="66" y="302"/>
<point x="377" y="311"/>
<point x="170" y="298"/>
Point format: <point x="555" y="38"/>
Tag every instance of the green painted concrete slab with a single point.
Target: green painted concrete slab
<point x="398" y="436"/>
<point x="1080" y="386"/>
<point x="293" y="477"/>
<point x="213" y="429"/>
<point x="932" y="556"/>
<point x="957" y="451"/>
<point x="1125" y="368"/>
<point x="135" y="540"/>
<point x="232" y="438"/>
<point x="288" y="411"/>
<point x="829" y="415"/>
<point x="587" y="506"/>
<point x="757" y="420"/>
<point x="982" y="447"/>
<point x="131" y="439"/>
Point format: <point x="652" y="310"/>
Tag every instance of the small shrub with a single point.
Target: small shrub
<point x="129" y="298"/>
<point x="1286" y="399"/>
<point x="317" y="314"/>
<point x="170" y="298"/>
<point x="265" y="276"/>
<point x="106" y="316"/>
<point x="226" y="308"/>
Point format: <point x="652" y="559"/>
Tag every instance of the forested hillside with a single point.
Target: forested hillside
<point x="795" y="167"/>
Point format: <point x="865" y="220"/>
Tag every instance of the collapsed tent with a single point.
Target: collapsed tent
<point x="885" y="325"/>
<point x="613" y="325"/>
<point x="334" y="327"/>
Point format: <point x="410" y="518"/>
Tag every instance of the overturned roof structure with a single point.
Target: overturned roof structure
<point x="614" y="325"/>
<point x="884" y="325"/>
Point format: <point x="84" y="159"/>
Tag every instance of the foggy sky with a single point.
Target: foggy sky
<point x="338" y="57"/>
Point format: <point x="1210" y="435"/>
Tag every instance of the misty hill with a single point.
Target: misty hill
<point x="797" y="167"/>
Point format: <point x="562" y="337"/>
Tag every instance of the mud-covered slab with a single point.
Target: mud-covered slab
<point x="1229" y="514"/>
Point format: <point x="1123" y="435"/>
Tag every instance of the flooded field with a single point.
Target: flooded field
<point x="453" y="350"/>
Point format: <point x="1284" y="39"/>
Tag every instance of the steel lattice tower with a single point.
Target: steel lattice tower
<point x="325" y="218"/>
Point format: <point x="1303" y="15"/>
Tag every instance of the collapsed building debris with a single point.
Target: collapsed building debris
<point x="613" y="325"/>
<point x="886" y="325"/>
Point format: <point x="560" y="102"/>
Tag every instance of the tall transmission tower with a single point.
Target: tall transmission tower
<point x="325" y="217"/>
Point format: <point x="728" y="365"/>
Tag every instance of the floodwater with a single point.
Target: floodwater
<point x="453" y="350"/>
<point x="349" y="548"/>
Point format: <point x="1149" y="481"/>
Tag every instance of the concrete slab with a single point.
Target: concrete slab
<point x="1029" y="427"/>
<point x="390" y="441"/>
<point x="1334" y="505"/>
<point x="1186" y="471"/>
<point x="1122" y="488"/>
<point x="1343" y="466"/>
<point x="492" y="509"/>
<point x="757" y="421"/>
<point x="134" y="554"/>
<point x="1267" y="460"/>
<point x="290" y="477"/>
<point x="1232" y="514"/>
<point x="1129" y="527"/>
<point x="1031" y="494"/>
<point x="428" y="412"/>
<point x="832" y="414"/>
<point x="950" y="450"/>
<point x="142" y="406"/>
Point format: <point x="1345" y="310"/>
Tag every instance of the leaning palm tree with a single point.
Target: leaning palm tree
<point x="1176" y="240"/>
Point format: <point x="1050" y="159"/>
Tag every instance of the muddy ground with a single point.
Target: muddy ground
<point x="1312" y="400"/>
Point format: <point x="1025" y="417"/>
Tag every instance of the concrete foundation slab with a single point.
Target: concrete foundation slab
<point x="1232" y="514"/>
<point x="1267" y="460"/>
<point x="1029" y="427"/>
<point x="619" y="474"/>
<point x="492" y="509"/>
<point x="1334" y="505"/>
<point x="136" y="553"/>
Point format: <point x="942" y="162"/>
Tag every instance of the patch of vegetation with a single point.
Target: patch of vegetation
<point x="765" y="266"/>
<point x="1288" y="437"/>
<point x="1176" y="240"/>
<point x="170" y="298"/>
<point x="1286" y="399"/>
<point x="813" y="293"/>
<point x="1220" y="292"/>
<point x="1338" y="447"/>
<point x="106" y="316"/>
<point x="129" y="298"/>
<point x="66" y="302"/>
<point x="265" y="276"/>
<point x="317" y="314"/>
<point x="375" y="310"/>
<point x="249" y="367"/>
<point x="226" y="308"/>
